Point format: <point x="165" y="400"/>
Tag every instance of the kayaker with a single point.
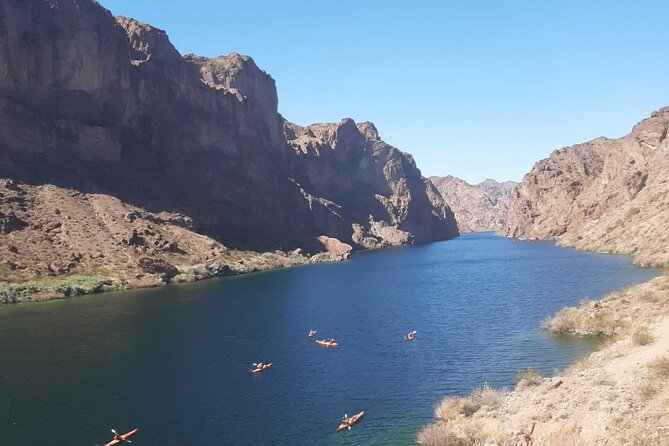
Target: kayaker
<point x="410" y="336"/>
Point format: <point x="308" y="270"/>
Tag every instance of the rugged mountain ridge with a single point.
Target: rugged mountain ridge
<point x="606" y="195"/>
<point x="477" y="207"/>
<point x="105" y="105"/>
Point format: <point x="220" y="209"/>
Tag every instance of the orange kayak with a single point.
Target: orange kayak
<point x="262" y="368"/>
<point x="122" y="438"/>
<point x="325" y="343"/>
<point x="350" y="421"/>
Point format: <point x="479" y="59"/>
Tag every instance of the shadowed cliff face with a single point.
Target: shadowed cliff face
<point x="479" y="207"/>
<point x="608" y="195"/>
<point x="106" y="105"/>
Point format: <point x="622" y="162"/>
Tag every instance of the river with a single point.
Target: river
<point x="175" y="361"/>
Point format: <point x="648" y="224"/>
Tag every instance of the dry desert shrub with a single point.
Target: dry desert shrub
<point x="635" y="432"/>
<point x="648" y="390"/>
<point x="642" y="336"/>
<point x="590" y="319"/>
<point x="452" y="408"/>
<point x="581" y="364"/>
<point x="456" y="427"/>
<point x="649" y="296"/>
<point x="463" y="432"/>
<point x="528" y="378"/>
<point x="449" y="409"/>
<point x="441" y="434"/>
<point x="661" y="367"/>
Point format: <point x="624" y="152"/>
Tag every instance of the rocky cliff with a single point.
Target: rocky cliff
<point x="99" y="105"/>
<point x="477" y="207"/>
<point x="607" y="195"/>
<point x="367" y="182"/>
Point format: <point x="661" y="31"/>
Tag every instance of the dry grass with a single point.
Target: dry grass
<point x="590" y="319"/>
<point x="581" y="364"/>
<point x="456" y="424"/>
<point x="485" y="397"/>
<point x="661" y="367"/>
<point x="569" y="436"/>
<point x="635" y="432"/>
<point x="528" y="378"/>
<point x="648" y="390"/>
<point x="440" y="434"/>
<point x="642" y="336"/>
<point x="463" y="432"/>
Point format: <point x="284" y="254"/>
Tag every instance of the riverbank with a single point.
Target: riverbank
<point x="615" y="396"/>
<point x="163" y="274"/>
<point x="57" y="242"/>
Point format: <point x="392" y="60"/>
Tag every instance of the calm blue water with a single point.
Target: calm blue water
<point x="175" y="361"/>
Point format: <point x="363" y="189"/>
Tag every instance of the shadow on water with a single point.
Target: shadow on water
<point x="175" y="361"/>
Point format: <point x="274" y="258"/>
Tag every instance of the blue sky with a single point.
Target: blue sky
<point x="476" y="89"/>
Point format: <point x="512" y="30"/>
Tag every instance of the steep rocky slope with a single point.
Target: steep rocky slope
<point x="477" y="207"/>
<point x="97" y="105"/>
<point x="57" y="242"/>
<point x="366" y="181"/>
<point x="607" y="195"/>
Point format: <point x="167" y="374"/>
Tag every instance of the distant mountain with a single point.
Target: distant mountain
<point x="606" y="195"/>
<point x="479" y="207"/>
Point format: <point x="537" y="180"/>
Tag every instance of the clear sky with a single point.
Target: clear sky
<point x="475" y="89"/>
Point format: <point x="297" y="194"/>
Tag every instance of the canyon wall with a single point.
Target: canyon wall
<point x="98" y="105"/>
<point x="477" y="207"/>
<point x="606" y="195"/>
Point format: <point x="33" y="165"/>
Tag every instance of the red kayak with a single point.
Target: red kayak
<point x="118" y="439"/>
<point x="324" y="343"/>
<point x="260" y="368"/>
<point x="350" y="421"/>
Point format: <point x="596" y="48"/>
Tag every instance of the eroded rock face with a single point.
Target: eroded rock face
<point x="106" y="105"/>
<point x="376" y="190"/>
<point x="478" y="207"/>
<point x="607" y="195"/>
<point x="335" y="250"/>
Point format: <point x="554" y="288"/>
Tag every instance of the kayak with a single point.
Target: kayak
<point x="261" y="368"/>
<point x="122" y="438"/>
<point x="312" y="333"/>
<point x="350" y="421"/>
<point x="325" y="343"/>
<point x="410" y="336"/>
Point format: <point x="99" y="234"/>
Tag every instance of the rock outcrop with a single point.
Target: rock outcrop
<point x="376" y="190"/>
<point x="606" y="195"/>
<point x="93" y="105"/>
<point x="478" y="207"/>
